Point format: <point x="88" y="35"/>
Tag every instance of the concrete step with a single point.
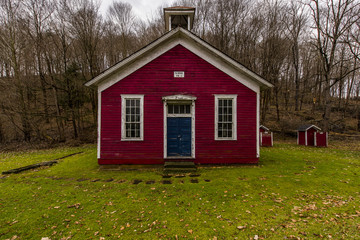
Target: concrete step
<point x="179" y="170"/>
<point x="175" y="164"/>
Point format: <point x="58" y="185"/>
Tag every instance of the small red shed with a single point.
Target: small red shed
<point x="178" y="98"/>
<point x="266" y="137"/>
<point x="306" y="135"/>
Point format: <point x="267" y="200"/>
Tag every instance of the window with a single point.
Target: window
<point x="132" y="117"/>
<point x="179" y="109"/>
<point x="225" y="117"/>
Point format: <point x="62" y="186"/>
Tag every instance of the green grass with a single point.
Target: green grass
<point x="294" y="193"/>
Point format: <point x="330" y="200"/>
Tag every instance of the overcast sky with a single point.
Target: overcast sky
<point x="144" y="9"/>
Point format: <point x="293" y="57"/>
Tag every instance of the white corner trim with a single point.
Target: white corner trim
<point x="306" y="138"/>
<point x="234" y="116"/>
<point x="297" y="139"/>
<point x="272" y="139"/>
<point x="99" y="126"/>
<point x="258" y="123"/>
<point x="326" y="143"/>
<point x="123" y="116"/>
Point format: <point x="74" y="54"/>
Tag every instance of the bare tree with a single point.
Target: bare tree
<point x="295" y="23"/>
<point x="331" y="20"/>
<point x="37" y="16"/>
<point x="124" y="19"/>
<point x="12" y="44"/>
<point x="86" y="27"/>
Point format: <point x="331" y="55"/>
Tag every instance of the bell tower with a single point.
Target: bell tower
<point x="179" y="17"/>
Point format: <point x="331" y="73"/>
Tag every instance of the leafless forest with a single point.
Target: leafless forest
<point x="309" y="50"/>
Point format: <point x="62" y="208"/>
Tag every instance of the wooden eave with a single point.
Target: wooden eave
<point x="304" y="128"/>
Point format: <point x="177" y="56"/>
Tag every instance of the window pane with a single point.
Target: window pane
<point x="170" y="109"/>
<point x="187" y="108"/>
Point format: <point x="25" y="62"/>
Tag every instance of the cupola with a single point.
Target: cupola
<point x="179" y="17"/>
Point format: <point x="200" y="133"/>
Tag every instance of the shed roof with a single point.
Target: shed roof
<point x="265" y="128"/>
<point x="164" y="43"/>
<point x="306" y="127"/>
<point x="179" y="8"/>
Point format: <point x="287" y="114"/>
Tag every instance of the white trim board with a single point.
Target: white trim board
<point x="124" y="97"/>
<point x="233" y="97"/>
<point x="174" y="99"/>
<point x="99" y="126"/>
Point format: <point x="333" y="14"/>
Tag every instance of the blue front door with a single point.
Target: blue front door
<point x="179" y="136"/>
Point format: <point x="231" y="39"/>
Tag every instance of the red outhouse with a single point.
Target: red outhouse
<point x="306" y="135"/>
<point x="266" y="137"/>
<point x="178" y="99"/>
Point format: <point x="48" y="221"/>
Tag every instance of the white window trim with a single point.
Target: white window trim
<point x="234" y="115"/>
<point x="123" y="116"/>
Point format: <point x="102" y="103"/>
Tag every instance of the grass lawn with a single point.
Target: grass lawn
<point x="294" y="193"/>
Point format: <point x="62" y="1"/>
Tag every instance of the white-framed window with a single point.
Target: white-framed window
<point x="132" y="117"/>
<point x="225" y="116"/>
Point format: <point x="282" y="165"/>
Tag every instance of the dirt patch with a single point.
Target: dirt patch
<point x="108" y="180"/>
<point x="136" y="181"/>
<point x="194" y="175"/>
<point x="82" y="179"/>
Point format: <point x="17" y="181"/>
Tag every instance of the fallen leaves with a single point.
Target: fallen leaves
<point x="76" y="205"/>
<point x="13" y="222"/>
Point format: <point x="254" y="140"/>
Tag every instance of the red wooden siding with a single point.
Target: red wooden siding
<point x="301" y="138"/>
<point x="266" y="139"/>
<point x="321" y="139"/>
<point x="310" y="136"/>
<point x="156" y="80"/>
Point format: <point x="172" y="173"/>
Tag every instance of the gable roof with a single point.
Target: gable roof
<point x="169" y="40"/>
<point x="304" y="128"/>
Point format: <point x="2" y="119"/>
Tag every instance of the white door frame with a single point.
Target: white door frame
<point x="186" y="99"/>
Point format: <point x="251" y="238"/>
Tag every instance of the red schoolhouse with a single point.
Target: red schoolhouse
<point x="178" y="99"/>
